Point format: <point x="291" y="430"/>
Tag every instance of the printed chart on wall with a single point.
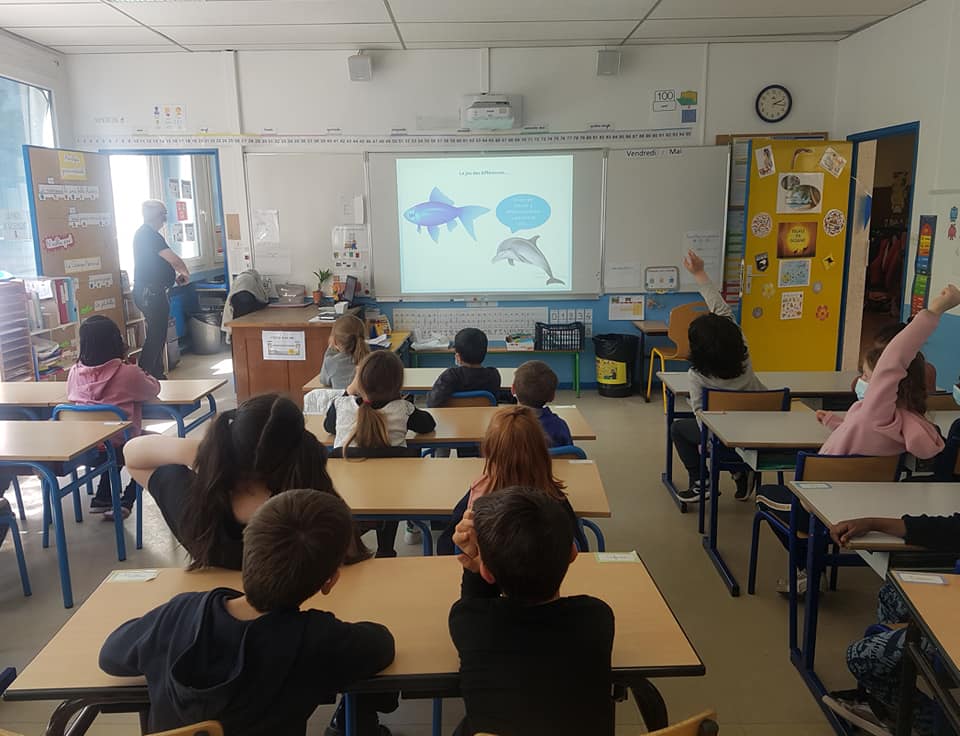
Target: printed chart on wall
<point x="466" y="223"/>
<point x="71" y="206"/>
<point x="795" y="231"/>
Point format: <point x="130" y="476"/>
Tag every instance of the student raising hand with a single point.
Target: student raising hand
<point x="694" y="264"/>
<point x="465" y="538"/>
<point x="947" y="299"/>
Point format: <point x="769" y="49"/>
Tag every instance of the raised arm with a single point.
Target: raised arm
<point x="711" y="295"/>
<point x="143" y="455"/>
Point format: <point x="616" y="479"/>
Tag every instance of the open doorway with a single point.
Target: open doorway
<point x="884" y="171"/>
<point x="889" y="225"/>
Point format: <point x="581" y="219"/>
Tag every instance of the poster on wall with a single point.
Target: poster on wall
<point x="921" y="279"/>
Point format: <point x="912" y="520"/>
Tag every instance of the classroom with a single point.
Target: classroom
<point x="522" y="367"/>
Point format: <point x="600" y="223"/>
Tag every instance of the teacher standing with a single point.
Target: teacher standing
<point x="156" y="268"/>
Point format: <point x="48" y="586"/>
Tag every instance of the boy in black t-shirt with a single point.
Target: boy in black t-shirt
<point x="531" y="662"/>
<point x="469" y="374"/>
<point x="253" y="660"/>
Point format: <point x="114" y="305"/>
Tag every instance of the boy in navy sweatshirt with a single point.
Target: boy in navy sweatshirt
<point x="535" y="385"/>
<point x="253" y="660"/>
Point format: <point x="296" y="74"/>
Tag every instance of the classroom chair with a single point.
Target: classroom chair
<point x="814" y="467"/>
<point x="18" y="413"/>
<point x="207" y="728"/>
<point x="568" y="452"/>
<point x="471" y="398"/>
<point x="946" y="465"/>
<point x="704" y="724"/>
<point x="9" y="521"/>
<point x="98" y="413"/>
<point x="717" y="399"/>
<point x="678" y="325"/>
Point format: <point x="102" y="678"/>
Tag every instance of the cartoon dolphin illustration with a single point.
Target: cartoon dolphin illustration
<point x="525" y="251"/>
<point x="440" y="210"/>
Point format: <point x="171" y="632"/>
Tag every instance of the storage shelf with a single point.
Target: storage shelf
<point x="136" y="321"/>
<point x="52" y="329"/>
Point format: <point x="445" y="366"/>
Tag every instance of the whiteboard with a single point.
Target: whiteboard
<point x="587" y="212"/>
<point x="659" y="200"/>
<point x="305" y="189"/>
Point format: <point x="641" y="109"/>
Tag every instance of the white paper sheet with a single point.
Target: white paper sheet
<point x="284" y="345"/>
<point x="623" y="276"/>
<point x="709" y="246"/>
<point x="626" y="307"/>
<point x="266" y="226"/>
<point x="271" y="258"/>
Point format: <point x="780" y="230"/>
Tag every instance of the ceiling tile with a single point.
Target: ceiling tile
<point x="511" y="44"/>
<point x="735" y="39"/>
<point x="61" y="14"/>
<point x="49" y="2"/>
<point x="99" y="36"/>
<point x="227" y="37"/>
<point x="119" y="49"/>
<point x="257" y="12"/>
<point x="527" y="31"/>
<point x="410" y="11"/>
<point x="297" y="47"/>
<point x="776" y="8"/>
<point x="751" y="26"/>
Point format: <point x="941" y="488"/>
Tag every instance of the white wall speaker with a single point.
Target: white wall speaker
<point x="360" y="68"/>
<point x="608" y="63"/>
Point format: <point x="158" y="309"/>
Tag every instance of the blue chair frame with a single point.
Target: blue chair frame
<point x="571" y="451"/>
<point x="179" y="412"/>
<point x="578" y="453"/>
<point x="31" y="414"/>
<point x="122" y="416"/>
<point x="10" y="522"/>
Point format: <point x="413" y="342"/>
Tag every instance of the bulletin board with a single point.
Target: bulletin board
<point x="659" y="203"/>
<point x="74" y="231"/>
<point x="796" y="230"/>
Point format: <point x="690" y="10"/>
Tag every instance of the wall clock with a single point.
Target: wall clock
<point x="774" y="103"/>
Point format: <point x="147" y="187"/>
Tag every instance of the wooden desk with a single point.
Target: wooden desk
<point x="839" y="502"/>
<point x="421" y="380"/>
<point x="464" y="426"/>
<point x="180" y="398"/>
<point x="423" y="487"/>
<point x="38" y="444"/>
<point x="648" y="328"/>
<point x="254" y="375"/>
<point x="31" y="399"/>
<point x="649" y="641"/>
<point x="802" y="384"/>
<point x="933" y="615"/>
<point x="500" y="348"/>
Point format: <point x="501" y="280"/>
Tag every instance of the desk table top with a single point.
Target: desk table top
<point x="52" y="441"/>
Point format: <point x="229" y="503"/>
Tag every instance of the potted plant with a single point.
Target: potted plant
<point x="323" y="276"/>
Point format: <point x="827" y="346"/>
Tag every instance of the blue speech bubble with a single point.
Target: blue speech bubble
<point x="523" y="211"/>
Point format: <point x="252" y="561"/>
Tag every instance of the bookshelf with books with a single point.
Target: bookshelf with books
<point x="16" y="355"/>
<point x="54" y="326"/>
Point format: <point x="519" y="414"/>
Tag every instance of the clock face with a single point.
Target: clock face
<point x="774" y="103"/>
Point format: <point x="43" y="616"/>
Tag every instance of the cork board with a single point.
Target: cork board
<point x="71" y="204"/>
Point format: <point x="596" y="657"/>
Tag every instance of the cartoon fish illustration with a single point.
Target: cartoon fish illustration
<point x="525" y="251"/>
<point x="440" y="210"/>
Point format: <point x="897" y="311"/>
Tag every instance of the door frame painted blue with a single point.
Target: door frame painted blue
<point x="187" y="152"/>
<point x="875" y="135"/>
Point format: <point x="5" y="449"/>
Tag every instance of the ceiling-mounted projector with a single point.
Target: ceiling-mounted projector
<point x="491" y="111"/>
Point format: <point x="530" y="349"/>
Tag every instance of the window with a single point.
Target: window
<point x="187" y="184"/>
<point x="26" y="117"/>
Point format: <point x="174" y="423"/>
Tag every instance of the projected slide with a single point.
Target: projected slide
<point x="486" y="224"/>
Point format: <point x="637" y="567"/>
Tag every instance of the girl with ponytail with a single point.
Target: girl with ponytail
<point x="208" y="490"/>
<point x="372" y="414"/>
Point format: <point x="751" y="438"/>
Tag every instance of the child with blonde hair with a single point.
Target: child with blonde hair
<point x="346" y="348"/>
<point x="516" y="454"/>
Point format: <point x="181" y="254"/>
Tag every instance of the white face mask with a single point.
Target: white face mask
<point x="956" y="394"/>
<point x="861" y="389"/>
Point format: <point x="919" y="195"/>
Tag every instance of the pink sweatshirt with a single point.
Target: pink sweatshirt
<point x="876" y="425"/>
<point x="114" y="382"/>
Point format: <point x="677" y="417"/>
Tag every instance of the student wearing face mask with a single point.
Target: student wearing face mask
<point x="880" y="340"/>
<point x="890" y="417"/>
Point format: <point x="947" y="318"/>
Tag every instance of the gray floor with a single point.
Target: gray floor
<point x="749" y="681"/>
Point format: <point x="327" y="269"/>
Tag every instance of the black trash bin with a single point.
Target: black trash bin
<point x="616" y="358"/>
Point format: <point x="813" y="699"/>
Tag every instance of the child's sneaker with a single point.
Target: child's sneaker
<point x="108" y="514"/>
<point x="692" y="494"/>
<point x="412" y="535"/>
<point x="783" y="584"/>
<point x="746" y="482"/>
<point x="99" y="508"/>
